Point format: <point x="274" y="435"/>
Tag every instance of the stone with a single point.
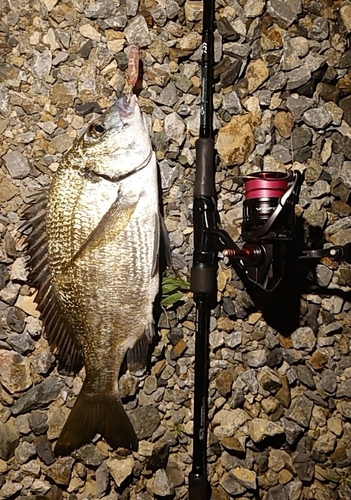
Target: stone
<point x="231" y="485"/>
<point x="224" y="382"/>
<point x="44" y="450"/>
<point x="17" y="164"/>
<point x="318" y="360"/>
<point x="306" y="376"/>
<point x="297" y="77"/>
<point x="235" y="141"/>
<point x="88" y="31"/>
<point x="227" y="422"/>
<point x="14" y="371"/>
<point x="278" y="492"/>
<point x="245" y="477"/>
<point x="161" y="484"/>
<point x="284" y="13"/>
<point x="60" y="471"/>
<point x="38" y="396"/>
<point x="284" y="123"/>
<point x="120" y="469"/>
<point x="304" y="466"/>
<point x="345" y="13"/>
<point x="145" y="420"/>
<point x="269" y="380"/>
<point x="256" y="358"/>
<point x="42" y="64"/>
<point x="304" y="338"/>
<point x="260" y="429"/>
<point x="318" y="118"/>
<point x="300" y="411"/>
<point x="249" y="378"/>
<point x="9" y="439"/>
<point x="325" y="443"/>
<point x="175" y="128"/>
<point x="257" y="73"/>
<point x="137" y="32"/>
<point x="329" y="381"/>
<point x="7" y="189"/>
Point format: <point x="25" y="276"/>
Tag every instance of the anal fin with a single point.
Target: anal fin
<point x="137" y="355"/>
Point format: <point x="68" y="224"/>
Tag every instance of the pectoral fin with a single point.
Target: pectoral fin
<point x="115" y="221"/>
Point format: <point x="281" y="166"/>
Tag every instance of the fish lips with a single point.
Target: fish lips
<point x="127" y="107"/>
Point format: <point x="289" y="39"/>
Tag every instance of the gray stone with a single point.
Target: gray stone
<point x="4" y="100"/>
<point x="281" y="153"/>
<point x="42" y="64"/>
<point x="319" y="189"/>
<point x="318" y="118"/>
<point x="301" y="136"/>
<point x="323" y="275"/>
<point x="298" y="105"/>
<point x="278" y="492"/>
<point x="145" y="420"/>
<point x="304" y="466"/>
<point x="231" y="103"/>
<point x="277" y="81"/>
<point x="249" y="377"/>
<point x="175" y="128"/>
<point x="21" y="342"/>
<point x="300" y="411"/>
<point x="39" y="396"/>
<point x="90" y="455"/>
<point x="161" y="484"/>
<point x="137" y="32"/>
<point x="169" y="95"/>
<point x="24" y="452"/>
<point x="292" y="430"/>
<point x="303" y="338"/>
<point x="306" y="376"/>
<point x="344" y="389"/>
<point x="16" y="164"/>
<point x="320" y="29"/>
<point x="256" y="358"/>
<point x="329" y="381"/>
<point x="284" y="12"/>
<point x="297" y="77"/>
<point x="231" y="485"/>
<point x="159" y="15"/>
<point x="120" y="469"/>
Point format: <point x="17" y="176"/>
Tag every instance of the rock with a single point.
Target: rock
<point x="44" y="450"/>
<point x="284" y="123"/>
<point x="42" y="64"/>
<point x="245" y="477"/>
<point x="304" y="466"/>
<point x="8" y="440"/>
<point x="278" y="492"/>
<point x="224" y="382"/>
<point x="60" y="471"/>
<point x="257" y="73"/>
<point x="300" y="411"/>
<point x="14" y="371"/>
<point x="303" y="338"/>
<point x="256" y="358"/>
<point x="161" y="484"/>
<point x="306" y="376"/>
<point x="284" y="13"/>
<point x="120" y="469"/>
<point x="329" y="381"/>
<point x="226" y="423"/>
<point x="137" y="32"/>
<point x="345" y="13"/>
<point x="175" y="128"/>
<point x="318" y="118"/>
<point x="38" y="396"/>
<point x="269" y="380"/>
<point x="231" y="485"/>
<point x="318" y="360"/>
<point x="145" y="420"/>
<point x="90" y="32"/>
<point x="325" y="443"/>
<point x="16" y="164"/>
<point x="297" y="77"/>
<point x="235" y="141"/>
<point x="260" y="429"/>
<point x="7" y="189"/>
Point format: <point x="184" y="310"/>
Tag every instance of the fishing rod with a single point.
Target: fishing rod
<point x="203" y="281"/>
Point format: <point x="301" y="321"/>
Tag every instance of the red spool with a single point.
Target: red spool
<point x="266" y="185"/>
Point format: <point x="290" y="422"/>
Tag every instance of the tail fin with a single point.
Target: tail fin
<point x="96" y="414"/>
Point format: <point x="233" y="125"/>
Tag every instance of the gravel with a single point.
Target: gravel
<point x="279" y="405"/>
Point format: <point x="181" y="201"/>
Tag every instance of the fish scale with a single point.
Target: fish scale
<point x="102" y="230"/>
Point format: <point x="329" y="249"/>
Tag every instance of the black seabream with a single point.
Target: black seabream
<point x="94" y="261"/>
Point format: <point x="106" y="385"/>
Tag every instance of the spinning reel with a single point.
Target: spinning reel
<point x="269" y="230"/>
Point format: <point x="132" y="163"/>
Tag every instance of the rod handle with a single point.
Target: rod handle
<point x="204" y="176"/>
<point x="199" y="487"/>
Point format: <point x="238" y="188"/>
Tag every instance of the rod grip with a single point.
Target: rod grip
<point x="204" y="176"/>
<point x="199" y="487"/>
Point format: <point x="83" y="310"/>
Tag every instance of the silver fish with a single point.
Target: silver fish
<point x="94" y="260"/>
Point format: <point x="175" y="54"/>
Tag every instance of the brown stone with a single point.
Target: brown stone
<point x="257" y="72"/>
<point x="236" y="141"/>
<point x="7" y="189"/>
<point x="178" y="349"/>
<point x="284" y="394"/>
<point x="284" y="122"/>
<point x="318" y="360"/>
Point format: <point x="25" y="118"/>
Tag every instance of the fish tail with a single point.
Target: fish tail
<point x="96" y="414"/>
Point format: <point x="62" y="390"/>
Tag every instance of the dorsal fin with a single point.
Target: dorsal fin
<point x="59" y="332"/>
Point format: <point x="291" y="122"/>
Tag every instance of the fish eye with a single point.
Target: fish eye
<point x="97" y="130"/>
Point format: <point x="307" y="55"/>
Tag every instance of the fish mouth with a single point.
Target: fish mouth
<point x="126" y="107"/>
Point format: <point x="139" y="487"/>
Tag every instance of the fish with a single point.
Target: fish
<point x="94" y="260"/>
